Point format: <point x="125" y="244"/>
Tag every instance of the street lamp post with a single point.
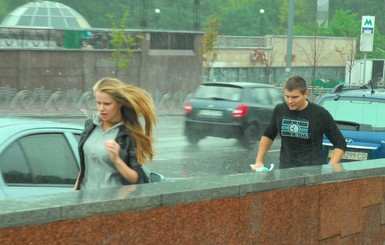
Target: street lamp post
<point x="290" y="27"/>
<point x="262" y="12"/>
<point x="143" y="21"/>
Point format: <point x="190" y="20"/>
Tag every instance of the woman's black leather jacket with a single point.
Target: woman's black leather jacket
<point x="127" y="152"/>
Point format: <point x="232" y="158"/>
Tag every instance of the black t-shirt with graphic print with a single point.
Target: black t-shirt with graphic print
<point x="302" y="134"/>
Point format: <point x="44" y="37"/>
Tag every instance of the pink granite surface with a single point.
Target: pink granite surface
<point x="348" y="212"/>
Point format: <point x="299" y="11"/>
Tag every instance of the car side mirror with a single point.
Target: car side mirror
<point x="156" y="177"/>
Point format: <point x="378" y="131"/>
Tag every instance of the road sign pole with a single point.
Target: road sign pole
<point x="367" y="37"/>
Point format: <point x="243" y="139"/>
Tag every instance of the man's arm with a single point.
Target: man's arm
<point x="337" y="139"/>
<point x="336" y="158"/>
<point x="264" y="145"/>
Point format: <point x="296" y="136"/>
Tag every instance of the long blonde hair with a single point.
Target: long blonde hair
<point x="135" y="102"/>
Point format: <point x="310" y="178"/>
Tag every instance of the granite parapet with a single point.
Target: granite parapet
<point x="79" y="204"/>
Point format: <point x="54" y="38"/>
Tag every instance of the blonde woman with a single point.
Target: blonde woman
<point x="114" y="146"/>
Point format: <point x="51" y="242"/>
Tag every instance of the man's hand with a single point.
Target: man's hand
<point x="337" y="167"/>
<point x="256" y="166"/>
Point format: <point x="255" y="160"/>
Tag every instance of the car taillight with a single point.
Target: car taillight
<point x="240" y="111"/>
<point x="188" y="107"/>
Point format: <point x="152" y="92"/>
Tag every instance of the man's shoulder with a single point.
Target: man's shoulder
<point x="281" y="106"/>
<point x="315" y="106"/>
<point x="319" y="110"/>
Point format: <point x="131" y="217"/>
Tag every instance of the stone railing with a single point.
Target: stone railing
<point x="74" y="101"/>
<point x="290" y="206"/>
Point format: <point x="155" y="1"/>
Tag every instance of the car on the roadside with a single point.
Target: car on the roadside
<point x="359" y="112"/>
<point x="39" y="157"/>
<point x="239" y="110"/>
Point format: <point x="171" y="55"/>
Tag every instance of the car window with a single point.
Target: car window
<point x="77" y="137"/>
<point x="260" y="96"/>
<point x="14" y="166"/>
<point x="361" y="111"/>
<point x="218" y="92"/>
<point x="275" y="95"/>
<point x="39" y="159"/>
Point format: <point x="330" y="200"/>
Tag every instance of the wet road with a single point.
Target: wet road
<point x="212" y="156"/>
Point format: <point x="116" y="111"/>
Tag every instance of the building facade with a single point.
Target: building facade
<point x="263" y="59"/>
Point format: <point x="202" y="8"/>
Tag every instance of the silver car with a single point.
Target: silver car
<point x="39" y="157"/>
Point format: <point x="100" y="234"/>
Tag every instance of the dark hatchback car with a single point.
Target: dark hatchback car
<point x="360" y="114"/>
<point x="230" y="110"/>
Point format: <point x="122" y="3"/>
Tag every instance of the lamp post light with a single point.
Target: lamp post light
<point x="157" y="16"/>
<point x="262" y="12"/>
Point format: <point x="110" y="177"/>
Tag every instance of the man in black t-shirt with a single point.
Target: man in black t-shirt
<point x="301" y="125"/>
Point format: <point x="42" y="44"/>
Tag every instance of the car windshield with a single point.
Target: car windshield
<point x="218" y="92"/>
<point x="361" y="111"/>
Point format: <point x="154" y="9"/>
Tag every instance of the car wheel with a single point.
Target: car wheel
<point x="249" y="137"/>
<point x="192" y="137"/>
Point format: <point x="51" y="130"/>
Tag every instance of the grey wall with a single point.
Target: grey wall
<point x="64" y="69"/>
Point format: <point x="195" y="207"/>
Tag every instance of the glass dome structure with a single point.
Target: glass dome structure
<point x="45" y="14"/>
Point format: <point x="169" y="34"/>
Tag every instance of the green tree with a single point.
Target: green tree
<point x="305" y="13"/>
<point x="95" y="10"/>
<point x="3" y="9"/>
<point x="243" y="17"/>
<point x="123" y="42"/>
<point x="344" y="23"/>
<point x="361" y="8"/>
<point x="207" y="50"/>
<point x="238" y="17"/>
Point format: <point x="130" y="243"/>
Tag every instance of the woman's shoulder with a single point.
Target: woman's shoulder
<point x="124" y="133"/>
<point x="88" y="123"/>
<point x="124" y="130"/>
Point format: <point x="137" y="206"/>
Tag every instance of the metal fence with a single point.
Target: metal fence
<point x="74" y="101"/>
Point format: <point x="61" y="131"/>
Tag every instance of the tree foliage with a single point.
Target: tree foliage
<point x="343" y="23"/>
<point x="304" y="15"/>
<point x="122" y="41"/>
<point x="237" y="17"/>
<point x="207" y="51"/>
<point x="3" y="8"/>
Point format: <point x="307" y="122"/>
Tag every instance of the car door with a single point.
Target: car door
<point x="39" y="163"/>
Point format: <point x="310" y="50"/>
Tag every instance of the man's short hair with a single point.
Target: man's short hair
<point x="296" y="82"/>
